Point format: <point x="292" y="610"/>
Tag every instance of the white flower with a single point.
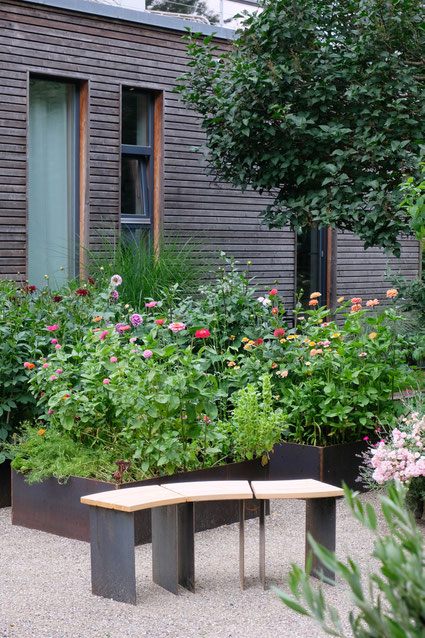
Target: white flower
<point x="260" y="299"/>
<point x="267" y="302"/>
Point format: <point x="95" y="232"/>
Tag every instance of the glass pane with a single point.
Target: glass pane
<point x="134" y="186"/>
<point x="51" y="192"/>
<point x="135" y="118"/>
<point x="309" y="266"/>
<point x="136" y="236"/>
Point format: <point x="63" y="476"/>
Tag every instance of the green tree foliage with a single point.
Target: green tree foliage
<point x="189" y="7"/>
<point x="323" y="105"/>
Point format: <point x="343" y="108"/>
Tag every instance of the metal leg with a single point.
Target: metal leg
<point x="263" y="542"/>
<point x="165" y="547"/>
<point x="242" y="543"/>
<point x="112" y="554"/>
<point x="321" y="524"/>
<point x="186" y="545"/>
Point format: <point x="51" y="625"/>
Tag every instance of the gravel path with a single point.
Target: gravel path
<point x="45" y="584"/>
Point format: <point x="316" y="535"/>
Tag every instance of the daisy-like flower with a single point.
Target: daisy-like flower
<point x="160" y="322"/>
<point x="372" y="302"/>
<point x="176" y="326"/>
<point x="392" y="292"/>
<point x="313" y="302"/>
<point x="151" y="304"/>
<point x="362" y="354"/>
<point x="315" y="295"/>
<point x="116" y="280"/>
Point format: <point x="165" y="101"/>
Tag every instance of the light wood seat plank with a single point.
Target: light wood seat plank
<point x="212" y="490"/>
<point x="296" y="489"/>
<point x="133" y="499"/>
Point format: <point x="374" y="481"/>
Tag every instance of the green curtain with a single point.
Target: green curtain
<point x="51" y="194"/>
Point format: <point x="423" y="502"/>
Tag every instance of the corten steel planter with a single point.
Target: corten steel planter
<point x="5" y="499"/>
<point x="332" y="464"/>
<point x="55" y="507"/>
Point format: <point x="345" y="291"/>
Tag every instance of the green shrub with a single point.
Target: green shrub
<point x="389" y="603"/>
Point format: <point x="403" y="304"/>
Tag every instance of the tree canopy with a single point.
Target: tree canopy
<point x="321" y="104"/>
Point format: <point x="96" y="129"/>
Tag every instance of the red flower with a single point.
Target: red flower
<point x="273" y="292"/>
<point x="91" y="281"/>
<point x="82" y="292"/>
<point x="30" y="289"/>
<point x="259" y="342"/>
<point x="275" y="311"/>
<point x="203" y="333"/>
<point x="159" y="321"/>
<point x="279" y="332"/>
<point x="57" y="298"/>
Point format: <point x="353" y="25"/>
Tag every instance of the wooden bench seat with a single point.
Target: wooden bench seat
<point x="320" y="516"/>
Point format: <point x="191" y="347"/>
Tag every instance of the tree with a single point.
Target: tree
<point x="321" y="104"/>
<point x="196" y="7"/>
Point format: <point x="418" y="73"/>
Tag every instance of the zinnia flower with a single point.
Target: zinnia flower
<point x="113" y="359"/>
<point x="176" y="326"/>
<point x="372" y="302"/>
<point x="147" y="354"/>
<point x="313" y="302"/>
<point x="372" y="335"/>
<point x="392" y="292"/>
<point x="273" y="292"/>
<point x="28" y="365"/>
<point x="97" y="319"/>
<point x="91" y="281"/>
<point x="356" y="307"/>
<point x="133" y="339"/>
<point x="53" y="377"/>
<point x="116" y="280"/>
<point x="136" y="320"/>
<point x="82" y="292"/>
<point x="275" y="311"/>
<point x="58" y="346"/>
<point x="259" y="342"/>
<point x="202" y="333"/>
<point x="103" y="334"/>
<point x="30" y="289"/>
<point x="151" y="304"/>
<point x="65" y="396"/>
<point x="356" y="300"/>
<point x="41" y="432"/>
<point x="362" y="354"/>
<point x="59" y="371"/>
<point x="52" y="328"/>
<point x="159" y="321"/>
<point x="231" y="364"/>
<point x="53" y="341"/>
<point x="57" y="298"/>
<point x="106" y="381"/>
<point x="315" y="295"/>
<point x="340" y="299"/>
<point x="279" y="332"/>
<point x="114" y="296"/>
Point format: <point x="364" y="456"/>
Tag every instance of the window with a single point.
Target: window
<point x="53" y="155"/>
<point x="311" y="264"/>
<point x="137" y="165"/>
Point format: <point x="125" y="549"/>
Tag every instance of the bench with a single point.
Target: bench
<point x="173" y="529"/>
<point x="173" y="534"/>
<point x="320" y="516"/>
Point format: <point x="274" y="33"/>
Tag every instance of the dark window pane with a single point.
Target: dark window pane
<point x="136" y="236"/>
<point x="311" y="263"/>
<point x="135" y="118"/>
<point x="134" y="186"/>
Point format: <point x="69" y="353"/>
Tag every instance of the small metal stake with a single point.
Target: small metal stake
<point x="263" y="543"/>
<point x="242" y="543"/>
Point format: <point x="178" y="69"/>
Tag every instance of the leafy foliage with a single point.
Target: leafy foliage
<point x="392" y="604"/>
<point x="322" y="105"/>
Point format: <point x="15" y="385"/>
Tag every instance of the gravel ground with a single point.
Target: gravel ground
<point x="45" y="584"/>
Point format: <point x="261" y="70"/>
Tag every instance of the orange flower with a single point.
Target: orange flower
<point x="41" y="432"/>
<point x="356" y="300"/>
<point x="372" y="335"/>
<point x="98" y="319"/>
<point x="314" y="295"/>
<point x="30" y="366"/>
<point x="232" y="337"/>
<point x="231" y="364"/>
<point x="244" y="339"/>
<point x="392" y="292"/>
<point x="273" y="366"/>
<point x="357" y="306"/>
<point x="284" y="374"/>
<point x="313" y="302"/>
<point x="275" y="311"/>
<point x="372" y="302"/>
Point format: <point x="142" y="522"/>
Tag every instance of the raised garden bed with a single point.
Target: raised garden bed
<point x="55" y="507"/>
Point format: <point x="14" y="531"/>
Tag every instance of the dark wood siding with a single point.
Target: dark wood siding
<point x="364" y="272"/>
<point x="109" y="53"/>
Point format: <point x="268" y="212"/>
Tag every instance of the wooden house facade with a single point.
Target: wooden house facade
<point x="93" y="139"/>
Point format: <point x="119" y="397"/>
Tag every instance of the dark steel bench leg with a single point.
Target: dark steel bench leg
<point x="164" y="547"/>
<point x="242" y="543"/>
<point x="186" y="545"/>
<point x="321" y="524"/>
<point x="112" y="554"/>
<point x="263" y="503"/>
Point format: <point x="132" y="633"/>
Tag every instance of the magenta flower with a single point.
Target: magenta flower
<point x="103" y="334"/>
<point x="54" y="341"/>
<point x="52" y="328"/>
<point x="147" y="354"/>
<point x="116" y="280"/>
<point x="136" y="320"/>
<point x="365" y="438"/>
<point x="151" y="304"/>
<point x="59" y="371"/>
<point x="106" y="381"/>
<point x="50" y="411"/>
<point x="114" y="296"/>
<point x="113" y="359"/>
<point x="119" y="328"/>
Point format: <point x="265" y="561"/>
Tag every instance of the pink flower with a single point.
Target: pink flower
<point x="176" y="326"/>
<point x="58" y="346"/>
<point x="372" y="302"/>
<point x="365" y="438"/>
<point x="147" y="354"/>
<point x="54" y="341"/>
<point x="103" y="334"/>
<point x="136" y="320"/>
<point x="116" y="280"/>
<point x="114" y="296"/>
<point x="59" y="371"/>
<point x="362" y="354"/>
<point x="106" y="381"/>
<point x="133" y="339"/>
<point x="52" y="328"/>
<point x="50" y="411"/>
<point x="392" y="292"/>
<point x="159" y="321"/>
<point x="273" y="292"/>
<point x="46" y="365"/>
<point x="151" y="304"/>
<point x="202" y="333"/>
<point x="53" y="377"/>
<point x="133" y="351"/>
<point x="279" y="332"/>
<point x="113" y="359"/>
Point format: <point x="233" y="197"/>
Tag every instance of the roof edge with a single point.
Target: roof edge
<point x="141" y="17"/>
